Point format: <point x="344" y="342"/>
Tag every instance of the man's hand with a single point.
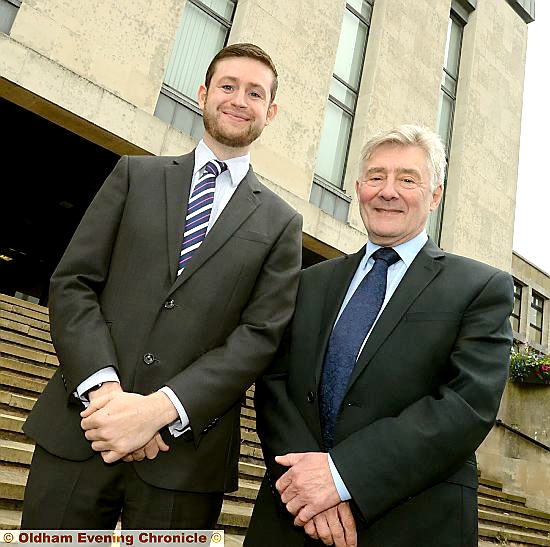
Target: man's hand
<point x="108" y="390"/>
<point x="307" y="488"/>
<point x="149" y="451"/>
<point x="335" y="526"/>
<point x="119" y="425"/>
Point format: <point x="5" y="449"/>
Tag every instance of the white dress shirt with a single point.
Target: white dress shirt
<point x="226" y="184"/>
<point x="407" y="253"/>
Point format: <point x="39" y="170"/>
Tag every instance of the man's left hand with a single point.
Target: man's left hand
<point x="120" y="425"/>
<point x="307" y="488"/>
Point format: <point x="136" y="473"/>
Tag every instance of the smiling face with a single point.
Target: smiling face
<point x="395" y="195"/>
<point x="237" y="105"/>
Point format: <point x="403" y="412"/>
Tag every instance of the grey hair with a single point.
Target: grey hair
<point x="412" y="135"/>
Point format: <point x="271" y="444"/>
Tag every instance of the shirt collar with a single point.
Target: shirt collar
<point x="407" y="251"/>
<point x="237" y="167"/>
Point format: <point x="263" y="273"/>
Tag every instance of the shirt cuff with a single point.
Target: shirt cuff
<point x="107" y="374"/>
<point x="343" y="492"/>
<point x="177" y="427"/>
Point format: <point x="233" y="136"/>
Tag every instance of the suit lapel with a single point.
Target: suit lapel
<point x="178" y="178"/>
<point x="420" y="274"/>
<point x="338" y="279"/>
<point x="241" y="205"/>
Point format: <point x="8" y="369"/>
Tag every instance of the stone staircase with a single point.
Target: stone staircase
<point x="27" y="361"/>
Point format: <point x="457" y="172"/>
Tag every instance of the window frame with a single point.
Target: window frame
<point x="539" y="330"/>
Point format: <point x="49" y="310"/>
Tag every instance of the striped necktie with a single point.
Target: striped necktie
<point x="198" y="211"/>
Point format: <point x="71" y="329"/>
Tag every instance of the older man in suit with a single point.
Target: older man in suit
<point x="390" y="376"/>
<point x="169" y="301"/>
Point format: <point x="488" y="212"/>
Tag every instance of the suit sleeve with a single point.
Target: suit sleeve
<point x="228" y="370"/>
<point x="396" y="457"/>
<point x="279" y="423"/>
<point x="79" y="332"/>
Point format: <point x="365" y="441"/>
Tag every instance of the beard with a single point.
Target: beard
<point x="233" y="140"/>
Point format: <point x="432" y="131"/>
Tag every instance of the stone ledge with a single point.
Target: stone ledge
<point x="488" y="531"/>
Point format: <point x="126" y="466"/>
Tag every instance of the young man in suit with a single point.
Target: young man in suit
<point x="160" y="329"/>
<point x="390" y="376"/>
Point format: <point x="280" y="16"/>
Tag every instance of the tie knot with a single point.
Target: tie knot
<point x="387" y="254"/>
<point x="215" y="167"/>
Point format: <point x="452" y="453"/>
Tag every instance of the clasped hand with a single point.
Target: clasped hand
<point x="309" y="493"/>
<point x="123" y="425"/>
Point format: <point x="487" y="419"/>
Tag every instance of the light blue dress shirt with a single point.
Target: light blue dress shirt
<point x="407" y="253"/>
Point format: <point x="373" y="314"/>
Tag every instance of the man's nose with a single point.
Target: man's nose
<point x="389" y="188"/>
<point x="239" y="98"/>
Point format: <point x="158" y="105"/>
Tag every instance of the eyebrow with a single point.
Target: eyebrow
<point x="236" y="80"/>
<point x="400" y="171"/>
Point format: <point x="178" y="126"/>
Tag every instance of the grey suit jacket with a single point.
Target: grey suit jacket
<point x="207" y="334"/>
<point x="423" y="395"/>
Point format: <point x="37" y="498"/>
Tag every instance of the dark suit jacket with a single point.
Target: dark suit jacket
<point x="115" y="301"/>
<point x="423" y="395"/>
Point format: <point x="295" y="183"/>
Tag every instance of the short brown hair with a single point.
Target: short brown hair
<point x="243" y="50"/>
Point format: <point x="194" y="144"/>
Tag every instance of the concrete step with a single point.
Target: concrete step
<point x="250" y="437"/>
<point x="504" y="536"/>
<point x="12" y="482"/>
<point x="16" y="451"/>
<point x="512" y="509"/>
<point x="514" y="521"/>
<point x="247" y="492"/>
<point x="17" y="401"/>
<point x="26" y="341"/>
<point x="33" y="355"/>
<point x="10" y="519"/>
<point x="247" y="423"/>
<point x="18" y="381"/>
<point x="12" y="313"/>
<point x="42" y="371"/>
<point x="252" y="452"/>
<point x="24" y="303"/>
<point x="235" y="515"/>
<point x="10" y="422"/>
<point x="18" y="307"/>
<point x="248" y="412"/>
<point x="251" y="471"/>
<point x="233" y="540"/>
<point x="17" y="323"/>
<point x="499" y="494"/>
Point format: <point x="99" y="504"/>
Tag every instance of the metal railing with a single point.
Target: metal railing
<point x="500" y="423"/>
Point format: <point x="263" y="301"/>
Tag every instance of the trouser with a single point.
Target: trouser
<point x="67" y="495"/>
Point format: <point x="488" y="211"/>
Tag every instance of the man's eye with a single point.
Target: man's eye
<point x="227" y="87"/>
<point x="256" y="95"/>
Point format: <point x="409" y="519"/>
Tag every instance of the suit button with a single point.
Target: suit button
<point x="169" y="304"/>
<point x="148" y="358"/>
<point x="310" y="397"/>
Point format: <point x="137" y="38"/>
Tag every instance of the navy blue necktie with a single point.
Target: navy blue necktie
<point x="347" y="338"/>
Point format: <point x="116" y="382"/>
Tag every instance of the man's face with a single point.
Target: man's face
<point x="237" y="104"/>
<point x="395" y="195"/>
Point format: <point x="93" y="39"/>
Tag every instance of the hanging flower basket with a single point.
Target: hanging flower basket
<point x="528" y="366"/>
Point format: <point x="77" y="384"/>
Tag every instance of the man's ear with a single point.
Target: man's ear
<point x="201" y="96"/>
<point x="436" y="197"/>
<point x="271" y="113"/>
